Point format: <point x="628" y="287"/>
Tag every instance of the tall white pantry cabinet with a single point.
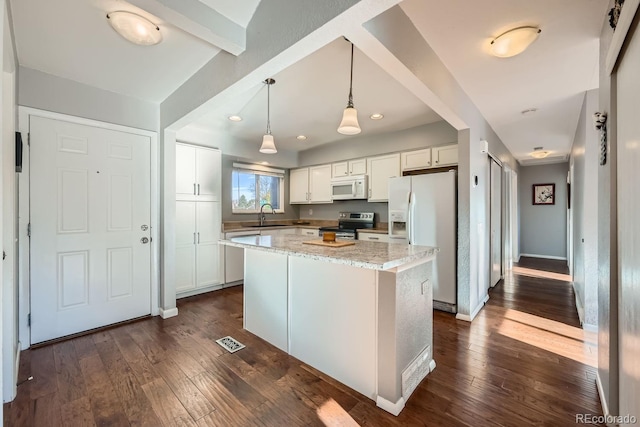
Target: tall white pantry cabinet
<point x="199" y="262"/>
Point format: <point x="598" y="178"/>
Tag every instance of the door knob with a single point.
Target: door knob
<point x="144" y="227"/>
<point x="144" y="240"/>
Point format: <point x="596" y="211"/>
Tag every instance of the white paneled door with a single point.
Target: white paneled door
<point x="90" y="223"/>
<point x="496" y="222"/>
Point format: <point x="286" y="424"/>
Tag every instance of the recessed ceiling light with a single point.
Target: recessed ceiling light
<point x="264" y="163"/>
<point x="514" y="41"/>
<point x="301" y="138"/>
<point x="376" y="116"/>
<point x="528" y="111"/>
<point x="235" y="118"/>
<point x="135" y="28"/>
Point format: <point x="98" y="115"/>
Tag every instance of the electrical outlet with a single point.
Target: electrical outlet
<point x="310" y="212"/>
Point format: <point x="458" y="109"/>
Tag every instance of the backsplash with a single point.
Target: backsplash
<point x="330" y="211"/>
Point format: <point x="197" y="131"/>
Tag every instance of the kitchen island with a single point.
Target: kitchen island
<point x="361" y="314"/>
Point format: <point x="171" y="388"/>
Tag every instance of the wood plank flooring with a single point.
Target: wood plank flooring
<point x="523" y="361"/>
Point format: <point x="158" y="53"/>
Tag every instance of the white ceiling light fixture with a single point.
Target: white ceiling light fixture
<point x="349" y="124"/>
<point x="376" y="116"/>
<point x="539" y="153"/>
<point x="235" y="118"/>
<point x="514" y="42"/>
<point x="268" y="144"/>
<point x="301" y="137"/>
<point x="135" y="28"/>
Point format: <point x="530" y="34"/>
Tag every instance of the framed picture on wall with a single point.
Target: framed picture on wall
<point x="544" y="194"/>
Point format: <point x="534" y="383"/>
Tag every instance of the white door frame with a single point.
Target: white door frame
<point x="24" y="113"/>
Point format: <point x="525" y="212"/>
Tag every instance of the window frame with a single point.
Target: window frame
<point x="259" y="170"/>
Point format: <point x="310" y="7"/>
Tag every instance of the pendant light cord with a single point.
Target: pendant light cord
<point x="268" y="108"/>
<point x="350" y="104"/>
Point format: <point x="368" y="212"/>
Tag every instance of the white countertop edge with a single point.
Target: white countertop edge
<point x="415" y="259"/>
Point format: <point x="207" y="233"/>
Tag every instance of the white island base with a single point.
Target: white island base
<point x="369" y="328"/>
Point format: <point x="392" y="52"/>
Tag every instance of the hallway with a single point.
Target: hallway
<point x="523" y="361"/>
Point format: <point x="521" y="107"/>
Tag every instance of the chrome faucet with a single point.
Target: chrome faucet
<point x="262" y="213"/>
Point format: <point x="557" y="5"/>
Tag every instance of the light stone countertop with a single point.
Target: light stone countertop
<point x="364" y="254"/>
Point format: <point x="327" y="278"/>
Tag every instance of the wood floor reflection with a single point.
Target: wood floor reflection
<point x="523" y="361"/>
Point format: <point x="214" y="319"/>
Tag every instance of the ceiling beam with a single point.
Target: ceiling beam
<point x="198" y="19"/>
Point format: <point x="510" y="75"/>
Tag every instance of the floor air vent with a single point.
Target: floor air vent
<point x="230" y="344"/>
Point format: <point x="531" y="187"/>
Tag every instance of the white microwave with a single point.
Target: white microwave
<point x="349" y="187"/>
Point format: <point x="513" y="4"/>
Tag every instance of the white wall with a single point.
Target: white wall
<point x="543" y="228"/>
<point x="584" y="211"/>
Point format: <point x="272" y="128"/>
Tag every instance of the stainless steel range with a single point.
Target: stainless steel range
<point x="349" y="222"/>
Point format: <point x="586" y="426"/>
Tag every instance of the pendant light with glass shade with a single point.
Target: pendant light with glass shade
<point x="349" y="124"/>
<point x="268" y="145"/>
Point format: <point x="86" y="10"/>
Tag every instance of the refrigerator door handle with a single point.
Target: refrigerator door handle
<point x="409" y="219"/>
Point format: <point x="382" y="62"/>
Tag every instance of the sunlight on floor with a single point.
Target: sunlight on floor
<point x="555" y="337"/>
<point x="332" y="414"/>
<point x="541" y="274"/>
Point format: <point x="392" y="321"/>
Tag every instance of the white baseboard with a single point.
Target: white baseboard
<point x="544" y="256"/>
<point x="171" y="312"/>
<point x="432" y="365"/>
<point x="469" y="318"/>
<point x="603" y="401"/>
<point x="579" y="306"/>
<point x="390" y="407"/>
<point x="590" y="328"/>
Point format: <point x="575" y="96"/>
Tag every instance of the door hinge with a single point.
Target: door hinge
<point x="29" y="139"/>
<point x="29" y="230"/>
<point x="29" y="319"/>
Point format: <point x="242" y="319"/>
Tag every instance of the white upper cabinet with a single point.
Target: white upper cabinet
<point x="197" y="173"/>
<point x="320" y="184"/>
<point x="380" y="169"/>
<point x="351" y="167"/>
<point x="310" y="185"/>
<point x="299" y="186"/>
<point x="445" y="155"/>
<point x="419" y="159"/>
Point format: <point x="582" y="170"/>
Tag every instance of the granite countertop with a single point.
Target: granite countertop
<point x="364" y="254"/>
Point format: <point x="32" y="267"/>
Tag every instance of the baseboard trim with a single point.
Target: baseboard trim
<point x="475" y="312"/>
<point x="579" y="306"/>
<point x="390" y="407"/>
<point x="590" y="328"/>
<point x="603" y="401"/>
<point x="432" y="365"/>
<point x="170" y="312"/>
<point x="544" y="256"/>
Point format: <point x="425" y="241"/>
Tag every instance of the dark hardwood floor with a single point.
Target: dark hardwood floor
<point x="523" y="361"/>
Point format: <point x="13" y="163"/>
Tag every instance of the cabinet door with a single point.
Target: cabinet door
<point x="373" y="237"/>
<point x="234" y="258"/>
<point x="185" y="246"/>
<point x="380" y="170"/>
<point x="320" y="184"/>
<point x="358" y="167"/>
<point x="299" y="186"/>
<point x="446" y="155"/>
<point x="207" y="249"/>
<point x="185" y="171"/>
<point x="419" y="159"/>
<point x="340" y="169"/>
<point x="208" y="172"/>
<point x="308" y="232"/>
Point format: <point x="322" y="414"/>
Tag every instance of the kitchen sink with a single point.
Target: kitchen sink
<point x="271" y="225"/>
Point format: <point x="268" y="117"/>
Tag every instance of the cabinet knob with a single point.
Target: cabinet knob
<point x="436" y="161"/>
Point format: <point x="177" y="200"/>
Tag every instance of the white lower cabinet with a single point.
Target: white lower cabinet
<point x="307" y="232"/>
<point x="198" y="256"/>
<point x="373" y="237"/>
<point x="234" y="258"/>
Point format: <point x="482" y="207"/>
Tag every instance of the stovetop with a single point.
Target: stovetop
<point x="349" y="222"/>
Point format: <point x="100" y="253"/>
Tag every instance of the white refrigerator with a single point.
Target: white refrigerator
<point x="423" y="211"/>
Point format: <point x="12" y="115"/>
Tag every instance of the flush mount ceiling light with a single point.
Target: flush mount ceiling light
<point x="539" y="153"/>
<point x="235" y="118"/>
<point x="268" y="145"/>
<point x="301" y="137"/>
<point x="514" y="41"/>
<point x="349" y="124"/>
<point x="376" y="116"/>
<point x="135" y="28"/>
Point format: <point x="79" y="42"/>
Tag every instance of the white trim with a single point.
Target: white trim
<point x="603" y="401"/>
<point x="475" y="312"/>
<point x="432" y="365"/>
<point x="622" y="29"/>
<point x="589" y="327"/>
<point x="199" y="291"/>
<point x="579" y="306"/>
<point x="258" y="168"/>
<point x="390" y="407"/>
<point x="165" y="314"/>
<point x="561" y="258"/>
<point x="24" y="114"/>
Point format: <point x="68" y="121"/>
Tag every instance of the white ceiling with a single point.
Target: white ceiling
<point x="552" y="75"/>
<point x="308" y="98"/>
<point x="72" y="39"/>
